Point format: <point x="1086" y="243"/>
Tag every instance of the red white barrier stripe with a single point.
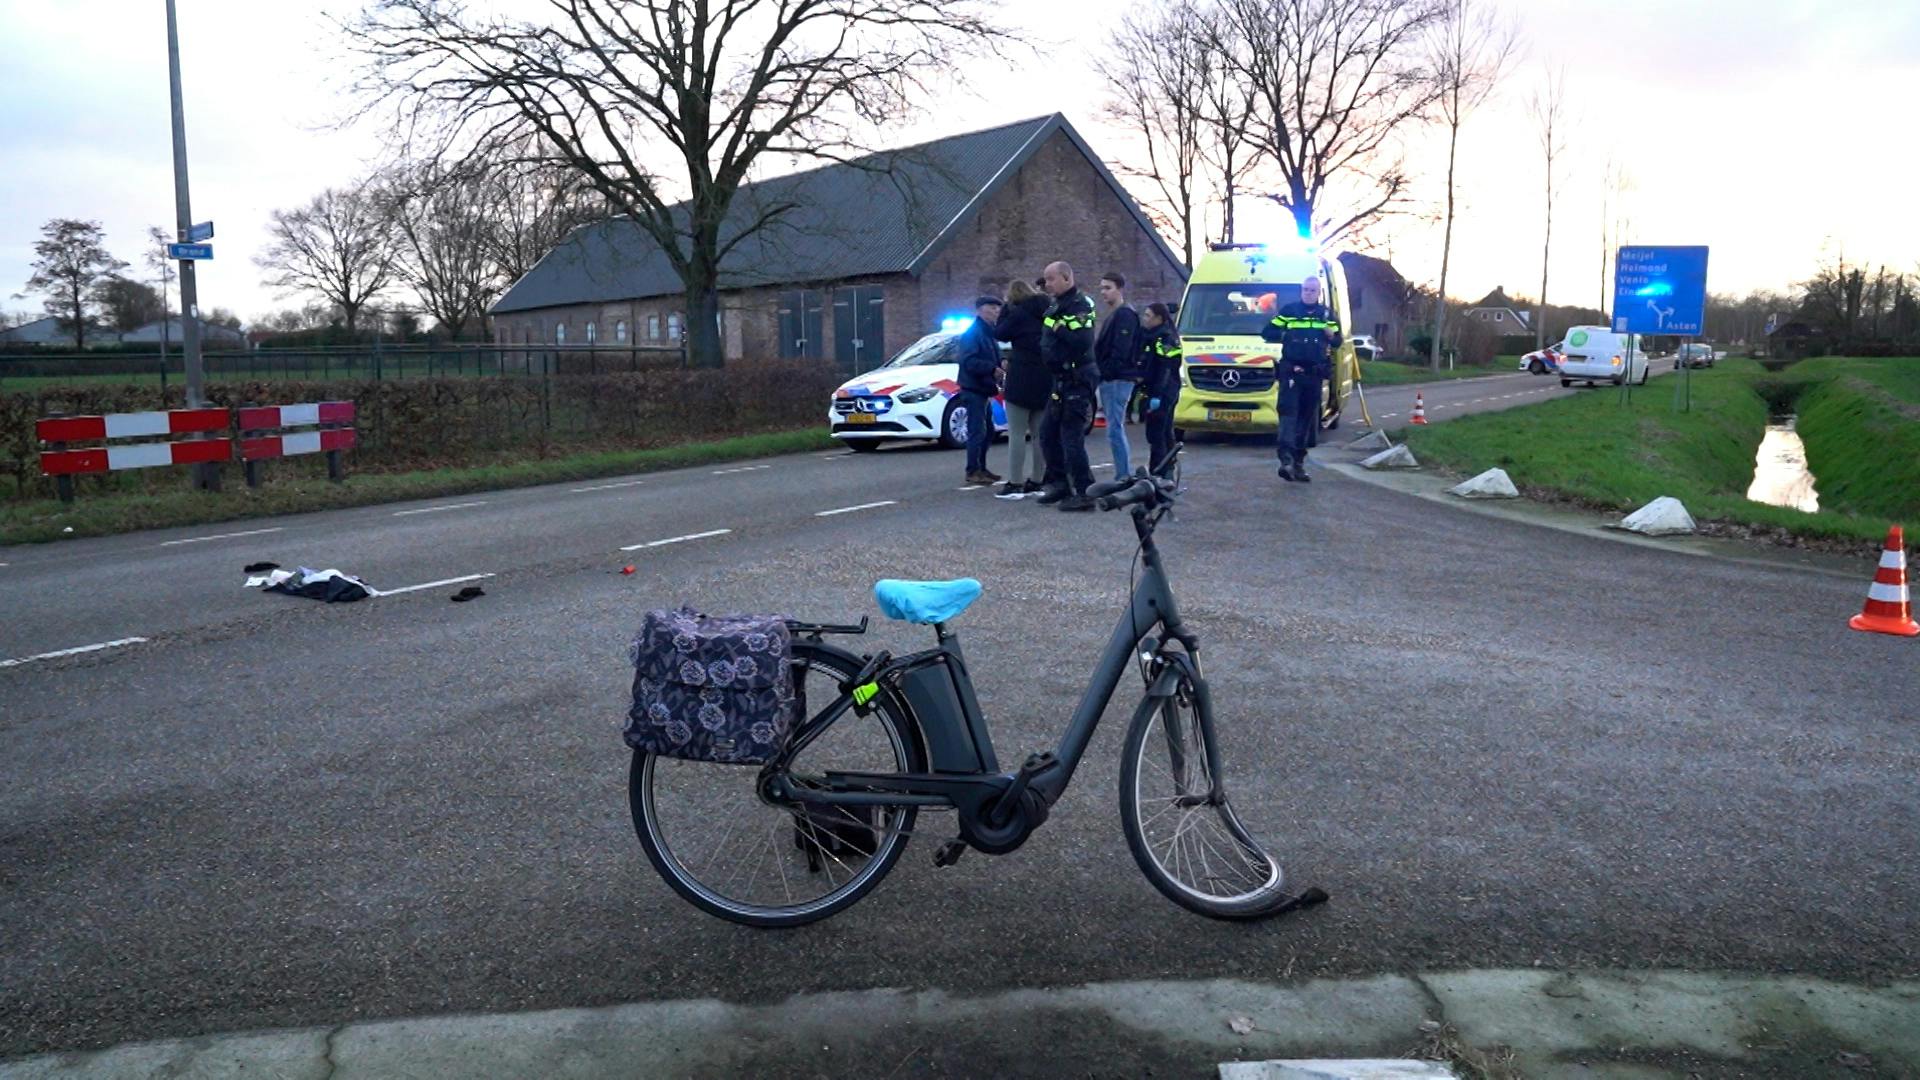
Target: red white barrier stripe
<point x="140" y="456"/>
<point x="302" y="442"/>
<point x="279" y="416"/>
<point x="128" y="425"/>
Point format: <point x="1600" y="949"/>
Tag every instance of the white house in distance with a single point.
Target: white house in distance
<point x="1500" y="313"/>
<point x="210" y="334"/>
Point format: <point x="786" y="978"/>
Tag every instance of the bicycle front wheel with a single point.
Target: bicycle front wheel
<point x="1182" y="832"/>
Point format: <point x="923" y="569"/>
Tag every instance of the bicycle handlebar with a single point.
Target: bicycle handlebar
<point x="1138" y="489"/>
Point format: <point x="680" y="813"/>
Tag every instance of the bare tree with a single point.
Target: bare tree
<point x="70" y="262"/>
<point x="164" y="268"/>
<point x="1549" y="108"/>
<point x="626" y="94"/>
<point x="442" y="243"/>
<point x="128" y="304"/>
<point x="1616" y="182"/>
<point x="1468" y="50"/>
<point x="1331" y="83"/>
<point x="531" y="205"/>
<point x="1226" y="112"/>
<point x="1157" y="72"/>
<point x="338" y="247"/>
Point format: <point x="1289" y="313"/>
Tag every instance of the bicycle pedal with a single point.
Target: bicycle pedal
<point x="950" y="852"/>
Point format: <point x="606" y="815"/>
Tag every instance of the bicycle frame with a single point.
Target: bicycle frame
<point x="976" y="788"/>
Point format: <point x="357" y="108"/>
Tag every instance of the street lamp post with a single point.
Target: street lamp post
<point x="206" y="475"/>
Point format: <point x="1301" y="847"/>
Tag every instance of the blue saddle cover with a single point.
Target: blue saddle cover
<point x="925" y="601"/>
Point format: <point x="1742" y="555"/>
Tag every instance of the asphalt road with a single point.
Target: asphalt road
<point x="1493" y="743"/>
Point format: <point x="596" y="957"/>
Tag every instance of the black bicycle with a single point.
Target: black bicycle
<point x="811" y="832"/>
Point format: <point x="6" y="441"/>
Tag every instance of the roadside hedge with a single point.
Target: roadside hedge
<point x="441" y="422"/>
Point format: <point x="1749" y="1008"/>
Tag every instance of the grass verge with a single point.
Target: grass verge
<point x="44" y="520"/>
<point x="1863" y="445"/>
<point x="1387" y="373"/>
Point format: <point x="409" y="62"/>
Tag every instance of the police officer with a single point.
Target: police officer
<point x="1066" y="344"/>
<point x="1307" y="334"/>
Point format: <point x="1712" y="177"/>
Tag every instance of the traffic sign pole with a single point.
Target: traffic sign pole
<point x="206" y="475"/>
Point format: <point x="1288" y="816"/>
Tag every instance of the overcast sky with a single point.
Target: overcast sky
<point x="1774" y="131"/>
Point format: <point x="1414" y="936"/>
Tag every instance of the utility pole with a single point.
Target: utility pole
<point x="206" y="475"/>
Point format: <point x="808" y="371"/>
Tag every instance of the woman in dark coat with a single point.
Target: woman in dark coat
<point x="1028" y="383"/>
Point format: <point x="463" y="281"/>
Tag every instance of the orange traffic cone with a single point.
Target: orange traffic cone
<point x="1888" y="610"/>
<point x="1419" y="408"/>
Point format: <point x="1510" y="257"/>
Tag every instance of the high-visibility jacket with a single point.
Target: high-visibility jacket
<point x="1066" y="342"/>
<point x="1307" y="335"/>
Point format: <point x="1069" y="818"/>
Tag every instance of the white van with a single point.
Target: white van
<point x="1597" y="354"/>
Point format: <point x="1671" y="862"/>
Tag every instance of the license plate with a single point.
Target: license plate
<point x="1230" y="416"/>
<point x="860" y="418"/>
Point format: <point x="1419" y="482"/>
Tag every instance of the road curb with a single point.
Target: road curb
<point x="1640" y="1024"/>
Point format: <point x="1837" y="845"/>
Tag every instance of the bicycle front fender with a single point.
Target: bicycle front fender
<point x="1177" y="665"/>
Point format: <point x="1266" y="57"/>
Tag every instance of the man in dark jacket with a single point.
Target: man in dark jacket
<point x="1307" y="334"/>
<point x="979" y="385"/>
<point x="1066" y="344"/>
<point x="1118" y="352"/>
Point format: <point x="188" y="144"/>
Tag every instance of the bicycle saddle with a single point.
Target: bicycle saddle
<point x="925" y="602"/>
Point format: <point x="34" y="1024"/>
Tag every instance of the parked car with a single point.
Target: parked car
<point x="912" y="396"/>
<point x="1365" y="348"/>
<point x="1596" y="354"/>
<point x="1695" y="355"/>
<point x="1544" y="361"/>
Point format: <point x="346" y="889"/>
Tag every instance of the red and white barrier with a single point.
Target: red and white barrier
<point x="63" y="429"/>
<point x="330" y="439"/>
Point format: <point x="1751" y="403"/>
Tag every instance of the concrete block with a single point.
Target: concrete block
<point x="1397" y="458"/>
<point x="1372" y="440"/>
<point x="1663" y="516"/>
<point x="1492" y="484"/>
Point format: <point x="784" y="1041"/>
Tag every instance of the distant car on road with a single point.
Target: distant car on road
<point x="1695" y="355"/>
<point x="1365" y="348"/>
<point x="1597" y="354"/>
<point x="1544" y="361"/>
<point x="911" y="397"/>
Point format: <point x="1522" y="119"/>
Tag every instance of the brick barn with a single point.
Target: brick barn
<point x="872" y="255"/>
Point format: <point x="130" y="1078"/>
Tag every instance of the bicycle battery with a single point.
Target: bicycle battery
<point x="951" y="747"/>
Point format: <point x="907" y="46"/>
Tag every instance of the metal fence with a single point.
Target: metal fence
<point x="29" y="370"/>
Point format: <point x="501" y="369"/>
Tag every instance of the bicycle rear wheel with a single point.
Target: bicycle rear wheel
<point x="733" y="854"/>
<point x="1189" y="843"/>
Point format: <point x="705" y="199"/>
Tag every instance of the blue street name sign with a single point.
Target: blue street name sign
<point x="1660" y="290"/>
<point x="200" y="232"/>
<point x="190" y="251"/>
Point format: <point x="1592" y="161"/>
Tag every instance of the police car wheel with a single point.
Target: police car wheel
<point x="862" y="445"/>
<point x="955" y="416"/>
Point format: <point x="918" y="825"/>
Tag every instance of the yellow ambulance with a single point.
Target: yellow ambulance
<point x="1227" y="382"/>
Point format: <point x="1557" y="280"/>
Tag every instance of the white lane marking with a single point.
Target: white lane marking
<point x="437" y="509"/>
<point x="56" y="654"/>
<point x="743" y="468"/>
<point x="220" y="536"/>
<point x="969" y="487"/>
<point x="606" y="487"/>
<point x="433" y="584"/>
<point x="1388" y="415"/>
<point x="677" y="539"/>
<point x="1108" y="465"/>
<point x="851" y="509"/>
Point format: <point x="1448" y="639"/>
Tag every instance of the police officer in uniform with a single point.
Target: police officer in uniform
<point x="1066" y="344"/>
<point x="1307" y="334"/>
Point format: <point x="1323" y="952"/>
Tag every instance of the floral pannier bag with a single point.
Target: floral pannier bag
<point x="712" y="687"/>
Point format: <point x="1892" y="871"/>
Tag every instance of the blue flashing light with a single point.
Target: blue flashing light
<point x="955" y="324"/>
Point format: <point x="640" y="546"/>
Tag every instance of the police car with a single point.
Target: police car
<point x="912" y="397"/>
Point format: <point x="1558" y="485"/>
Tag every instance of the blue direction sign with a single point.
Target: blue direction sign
<point x="200" y="232"/>
<point x="192" y="252"/>
<point x="1660" y="290"/>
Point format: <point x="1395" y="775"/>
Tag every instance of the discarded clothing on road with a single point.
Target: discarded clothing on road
<point x="330" y="585"/>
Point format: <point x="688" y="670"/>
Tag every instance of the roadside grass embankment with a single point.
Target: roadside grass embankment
<point x="1859" y="419"/>
<point x="96" y="515"/>
<point x="1389" y="373"/>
